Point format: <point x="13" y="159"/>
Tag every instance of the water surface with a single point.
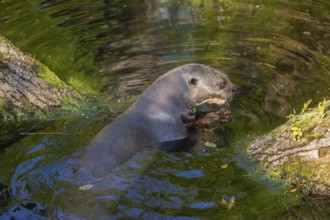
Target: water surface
<point x="277" y="52"/>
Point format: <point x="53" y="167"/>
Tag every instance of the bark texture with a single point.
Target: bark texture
<point x="299" y="151"/>
<point x="27" y="86"/>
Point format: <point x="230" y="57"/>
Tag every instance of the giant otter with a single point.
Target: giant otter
<point x="162" y="113"/>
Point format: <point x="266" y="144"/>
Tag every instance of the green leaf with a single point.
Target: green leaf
<point x="305" y="106"/>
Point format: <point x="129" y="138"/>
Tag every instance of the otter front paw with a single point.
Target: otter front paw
<point x="189" y="118"/>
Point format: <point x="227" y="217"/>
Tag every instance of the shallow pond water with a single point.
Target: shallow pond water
<point x="277" y="52"/>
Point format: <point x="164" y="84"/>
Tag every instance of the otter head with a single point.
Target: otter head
<point x="207" y="85"/>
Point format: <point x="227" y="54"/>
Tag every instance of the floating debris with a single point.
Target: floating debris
<point x="224" y="166"/>
<point x="210" y="144"/>
<point x="85" y="187"/>
<point x="293" y="190"/>
<point x="228" y="202"/>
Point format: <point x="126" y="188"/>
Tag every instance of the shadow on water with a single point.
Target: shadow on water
<point x="277" y="52"/>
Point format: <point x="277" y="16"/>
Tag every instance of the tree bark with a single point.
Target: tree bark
<point x="299" y="151"/>
<point x="27" y="86"/>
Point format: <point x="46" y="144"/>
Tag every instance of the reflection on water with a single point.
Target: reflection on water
<point x="277" y="52"/>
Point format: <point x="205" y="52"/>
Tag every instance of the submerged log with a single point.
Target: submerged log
<point x="27" y="86"/>
<point x="299" y="150"/>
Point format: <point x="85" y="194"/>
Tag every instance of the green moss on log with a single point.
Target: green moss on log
<point x="304" y="159"/>
<point x="28" y="87"/>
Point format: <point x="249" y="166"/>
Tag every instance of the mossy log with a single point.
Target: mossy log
<point x="299" y="150"/>
<point x="27" y="86"/>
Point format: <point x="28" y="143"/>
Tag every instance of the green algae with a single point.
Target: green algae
<point x="49" y="76"/>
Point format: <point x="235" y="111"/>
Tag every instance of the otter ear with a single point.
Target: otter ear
<point x="193" y="82"/>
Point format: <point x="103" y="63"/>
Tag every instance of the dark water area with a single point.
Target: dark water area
<point x="277" y="52"/>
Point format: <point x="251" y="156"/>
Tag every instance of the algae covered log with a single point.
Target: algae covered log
<point x="299" y="150"/>
<point x="27" y="86"/>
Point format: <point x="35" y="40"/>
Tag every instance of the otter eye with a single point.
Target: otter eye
<point x="193" y="81"/>
<point x="223" y="85"/>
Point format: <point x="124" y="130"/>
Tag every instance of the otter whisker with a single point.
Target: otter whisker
<point x="227" y="105"/>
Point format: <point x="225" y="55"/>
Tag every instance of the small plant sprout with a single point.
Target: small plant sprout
<point x="296" y="133"/>
<point x="305" y="106"/>
<point x="322" y="108"/>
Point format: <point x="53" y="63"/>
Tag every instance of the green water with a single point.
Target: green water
<point x="277" y="52"/>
